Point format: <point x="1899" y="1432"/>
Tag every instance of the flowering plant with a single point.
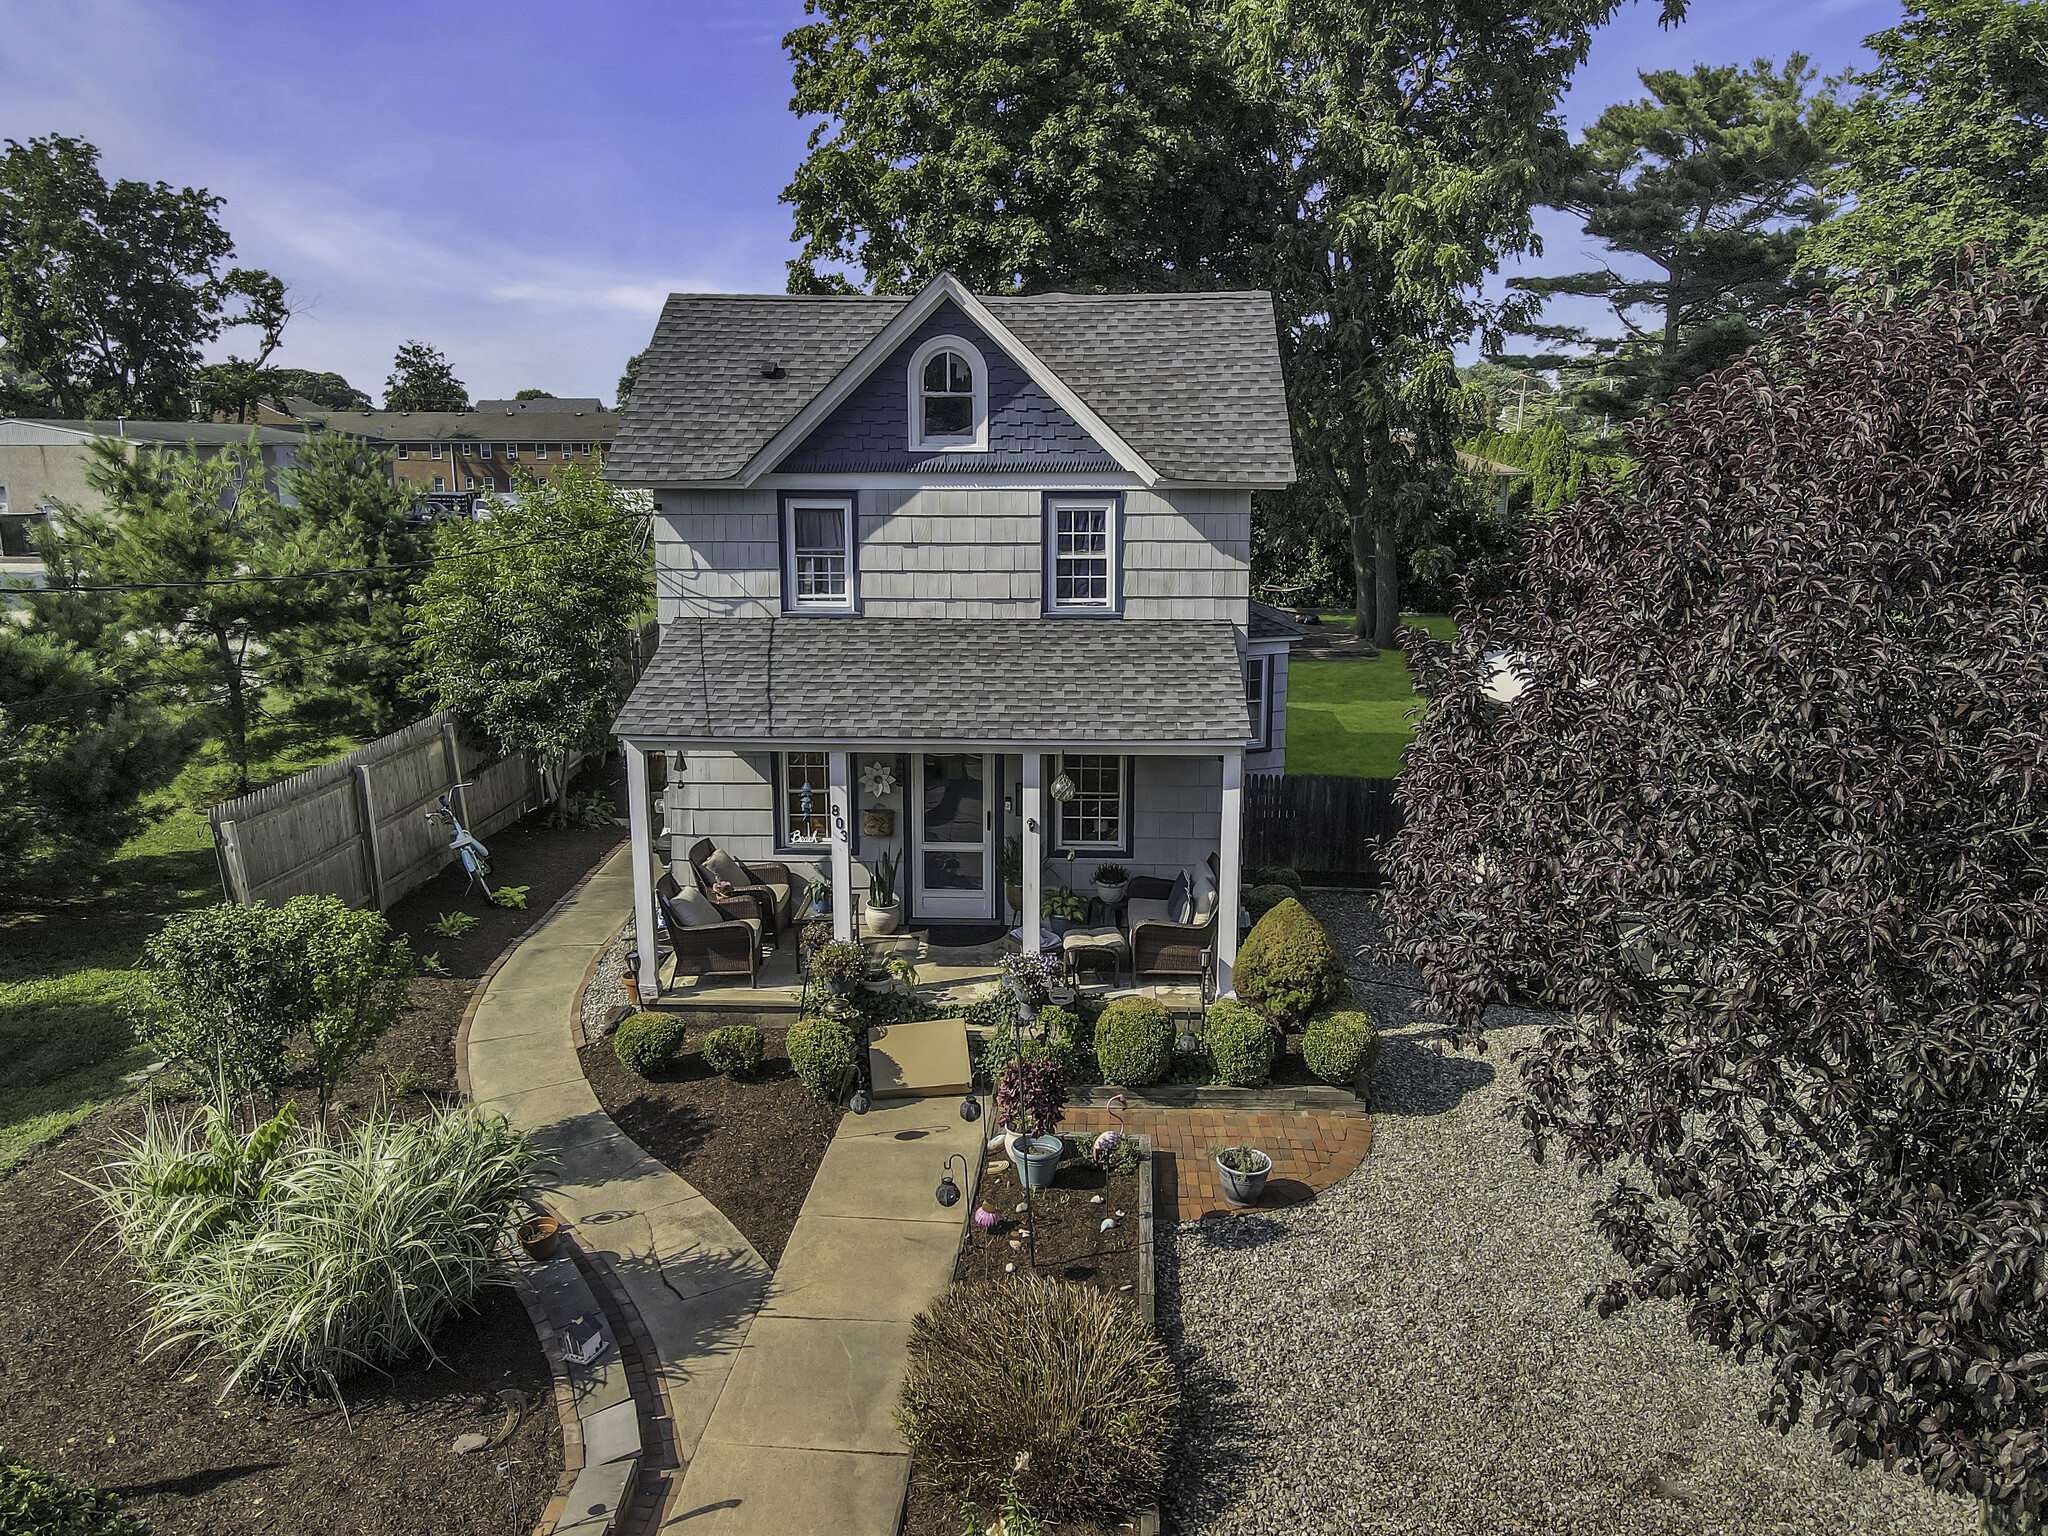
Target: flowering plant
<point x="1030" y="973"/>
<point x="1031" y="1097"/>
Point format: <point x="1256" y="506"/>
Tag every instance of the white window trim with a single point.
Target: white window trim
<point x="405" y="450"/>
<point x="973" y="442"/>
<point x="1113" y="506"/>
<point x="791" y="601"/>
<point x="1261" y="739"/>
<point x="784" y="843"/>
<point x="483" y="450"/>
<point x="433" y="450"/>
<point x="1058" y="818"/>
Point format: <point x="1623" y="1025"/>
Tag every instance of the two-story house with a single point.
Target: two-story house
<point x="997" y="545"/>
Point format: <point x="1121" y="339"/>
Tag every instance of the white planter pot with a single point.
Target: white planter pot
<point x="882" y="919"/>
<point x="1112" y="895"/>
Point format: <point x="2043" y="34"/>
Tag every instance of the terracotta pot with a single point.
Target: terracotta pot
<point x="539" y="1237"/>
<point x="632" y="981"/>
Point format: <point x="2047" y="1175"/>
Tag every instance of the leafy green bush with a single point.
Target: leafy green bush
<point x="38" y="1503"/>
<point x="1287" y="967"/>
<point x="1278" y="874"/>
<point x="1059" y="1392"/>
<point x="735" y="1050"/>
<point x="1240" y="1042"/>
<point x="1341" y="1045"/>
<point x="647" y="1042"/>
<point x="821" y="1050"/>
<point x="1134" y="1041"/>
<point x="1261" y="899"/>
<point x="993" y="1010"/>
<point x="300" y="1257"/>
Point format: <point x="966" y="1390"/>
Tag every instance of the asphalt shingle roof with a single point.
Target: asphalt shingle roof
<point x="855" y="680"/>
<point x="1190" y="380"/>
<point x="1269" y="623"/>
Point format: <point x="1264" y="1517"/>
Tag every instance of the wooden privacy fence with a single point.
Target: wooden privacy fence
<point x="1318" y="823"/>
<point x="356" y="827"/>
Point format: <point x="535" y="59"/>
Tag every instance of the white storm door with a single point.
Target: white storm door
<point x="953" y="862"/>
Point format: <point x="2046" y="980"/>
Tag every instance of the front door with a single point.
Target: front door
<point x="953" y="865"/>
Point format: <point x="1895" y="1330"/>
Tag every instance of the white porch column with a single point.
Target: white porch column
<point x="1229" y="854"/>
<point x="839" y="779"/>
<point x="1032" y="858"/>
<point x="640" y="819"/>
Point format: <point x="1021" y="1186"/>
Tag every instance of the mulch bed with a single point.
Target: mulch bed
<point x="80" y="1392"/>
<point x="751" y="1148"/>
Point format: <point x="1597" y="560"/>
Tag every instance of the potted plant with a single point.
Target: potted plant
<point x="815" y="934"/>
<point x="1011" y="866"/>
<point x="1243" y="1169"/>
<point x="819" y="895"/>
<point x="1029" y="975"/>
<point x="1112" y="884"/>
<point x="538" y="1235"/>
<point x="839" y="965"/>
<point x="1062" y="908"/>
<point x="1031" y="1098"/>
<point x="884" y="911"/>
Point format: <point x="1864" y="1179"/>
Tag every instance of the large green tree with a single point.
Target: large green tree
<point x="421" y="380"/>
<point x="328" y="389"/>
<point x="1704" y="189"/>
<point x="525" y="625"/>
<point x="1944" y="146"/>
<point x="109" y="292"/>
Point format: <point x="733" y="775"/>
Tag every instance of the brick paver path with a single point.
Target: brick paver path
<point x="1311" y="1150"/>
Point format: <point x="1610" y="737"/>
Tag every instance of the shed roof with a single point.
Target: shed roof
<point x="1002" y="682"/>
<point x="16" y="431"/>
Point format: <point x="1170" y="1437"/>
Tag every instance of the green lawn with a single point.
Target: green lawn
<point x="1354" y="717"/>
<point x="66" y="977"/>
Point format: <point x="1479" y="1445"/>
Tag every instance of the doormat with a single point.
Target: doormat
<point x="963" y="935"/>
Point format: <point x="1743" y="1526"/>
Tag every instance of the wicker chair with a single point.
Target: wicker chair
<point x="1161" y="947"/>
<point x="769" y="885"/>
<point x="729" y="947"/>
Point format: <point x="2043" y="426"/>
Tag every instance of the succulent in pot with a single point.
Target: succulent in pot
<point x="1031" y="1100"/>
<point x="1243" y="1170"/>
<point x="1112" y="883"/>
<point x="839" y="965"/>
<point x="884" y="912"/>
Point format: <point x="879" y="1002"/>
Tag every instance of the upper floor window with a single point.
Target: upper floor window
<point x="948" y="396"/>
<point x="484" y="449"/>
<point x="511" y="450"/>
<point x="818" y="537"/>
<point x="1080" y="554"/>
<point x="1258" y="685"/>
<point x="434" y="451"/>
<point x="540" y="450"/>
<point x="405" y="450"/>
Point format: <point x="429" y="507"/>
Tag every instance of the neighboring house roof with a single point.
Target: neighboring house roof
<point x="1019" y="682"/>
<point x="1176" y="386"/>
<point x="473" y="426"/>
<point x="19" y="431"/>
<point x="1472" y="463"/>
<point x="544" y="405"/>
<point x="1269" y="623"/>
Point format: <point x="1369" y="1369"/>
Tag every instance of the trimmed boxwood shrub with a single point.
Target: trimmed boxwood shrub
<point x="1261" y="899"/>
<point x="1134" y="1041"/>
<point x="1341" y="1045"/>
<point x="1278" y="874"/>
<point x="1287" y="967"/>
<point x="1240" y="1042"/>
<point x="38" y="1503"/>
<point x="1058" y="1393"/>
<point x="647" y="1042"/>
<point x="821" y="1050"/>
<point x="735" y="1050"/>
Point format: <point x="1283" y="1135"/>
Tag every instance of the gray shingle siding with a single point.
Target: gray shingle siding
<point x="870" y="429"/>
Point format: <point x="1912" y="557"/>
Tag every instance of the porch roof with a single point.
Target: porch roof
<point x="1136" y="684"/>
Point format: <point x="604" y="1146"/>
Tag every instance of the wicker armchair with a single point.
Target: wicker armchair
<point x="768" y="885"/>
<point x="728" y="947"/>
<point x="1161" y="947"/>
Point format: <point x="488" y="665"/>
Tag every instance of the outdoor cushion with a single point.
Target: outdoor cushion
<point x="720" y="865"/>
<point x="1091" y="938"/>
<point x="1205" y="907"/>
<point x="1142" y="909"/>
<point x="1181" y="903"/>
<point x="695" y="910"/>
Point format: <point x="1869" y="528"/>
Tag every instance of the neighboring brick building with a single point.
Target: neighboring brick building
<point x="454" y="456"/>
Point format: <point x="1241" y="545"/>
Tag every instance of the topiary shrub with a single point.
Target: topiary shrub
<point x="647" y="1042"/>
<point x="1278" y="874"/>
<point x="1341" y="1045"/>
<point x="821" y="1050"/>
<point x="1261" y="899"/>
<point x="38" y="1503"/>
<point x="1134" y="1041"/>
<point x="735" y="1050"/>
<point x="1240" y="1041"/>
<point x="1287" y="967"/>
<point x="980" y="1407"/>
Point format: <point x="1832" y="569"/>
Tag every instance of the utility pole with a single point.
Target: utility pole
<point x="1521" y="400"/>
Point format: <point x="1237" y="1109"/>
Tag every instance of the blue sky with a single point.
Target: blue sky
<point x="520" y="184"/>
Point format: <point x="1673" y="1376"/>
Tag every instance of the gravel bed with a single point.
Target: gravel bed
<point x="607" y="991"/>
<point x="1410" y="1352"/>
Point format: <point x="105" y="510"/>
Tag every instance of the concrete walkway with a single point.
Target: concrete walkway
<point x="803" y="1438"/>
<point x="782" y="1386"/>
<point x="694" y="1280"/>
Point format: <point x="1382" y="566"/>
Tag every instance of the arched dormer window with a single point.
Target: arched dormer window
<point x="948" y="396"/>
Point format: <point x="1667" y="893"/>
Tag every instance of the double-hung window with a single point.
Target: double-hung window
<point x="1097" y="817"/>
<point x="1080" y="555"/>
<point x="1258" y="685"/>
<point x="540" y="450"/>
<point x="806" y="806"/>
<point x="817" y="535"/>
<point x="484" y="449"/>
<point x="434" y="450"/>
<point x="405" y="450"/>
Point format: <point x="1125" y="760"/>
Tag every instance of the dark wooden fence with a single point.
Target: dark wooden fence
<point x="1317" y="823"/>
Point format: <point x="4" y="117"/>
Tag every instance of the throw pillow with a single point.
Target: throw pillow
<point x="720" y="865"/>
<point x="1180" y="904"/>
<point x="694" y="910"/>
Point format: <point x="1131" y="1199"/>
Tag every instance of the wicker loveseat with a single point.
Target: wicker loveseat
<point x="1161" y="946"/>
<point x="728" y="944"/>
